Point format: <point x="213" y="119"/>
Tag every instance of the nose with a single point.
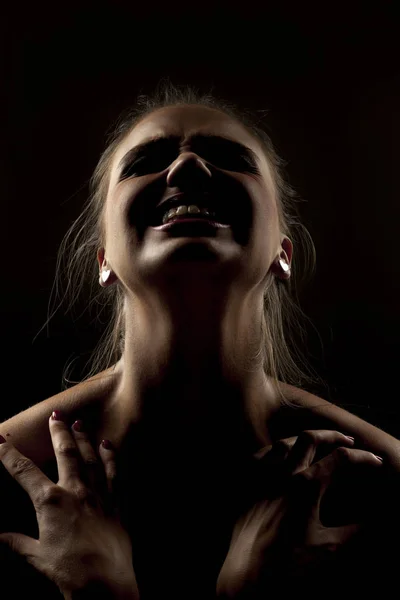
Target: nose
<point x="189" y="171"/>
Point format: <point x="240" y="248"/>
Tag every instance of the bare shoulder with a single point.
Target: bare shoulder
<point x="313" y="412"/>
<point x="28" y="430"/>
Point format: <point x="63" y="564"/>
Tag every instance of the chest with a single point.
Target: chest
<point x="180" y="522"/>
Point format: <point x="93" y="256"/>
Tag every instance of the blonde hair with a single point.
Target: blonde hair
<point x="279" y="354"/>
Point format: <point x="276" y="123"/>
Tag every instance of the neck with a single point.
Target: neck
<point x="193" y="379"/>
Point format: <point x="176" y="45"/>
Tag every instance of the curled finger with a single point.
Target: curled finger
<point x="349" y="486"/>
<point x="65" y="450"/>
<point x="24" y="471"/>
<point x="108" y="458"/>
<point x="92" y="471"/>
<point x="311" y="445"/>
<point x="345" y="458"/>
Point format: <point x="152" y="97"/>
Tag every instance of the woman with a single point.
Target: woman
<point x="196" y="341"/>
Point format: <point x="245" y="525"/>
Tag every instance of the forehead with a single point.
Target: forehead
<point x="183" y="121"/>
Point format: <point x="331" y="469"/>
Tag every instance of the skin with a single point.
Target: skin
<point x="82" y="547"/>
<point x="191" y="399"/>
<point x="194" y="323"/>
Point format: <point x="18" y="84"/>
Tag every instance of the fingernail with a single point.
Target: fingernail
<point x="350" y="438"/>
<point x="2" y="440"/>
<point x="378" y="457"/>
<point x="57" y="415"/>
<point x="107" y="444"/>
<point x="78" y="425"/>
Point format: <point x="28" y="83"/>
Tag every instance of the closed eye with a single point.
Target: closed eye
<point x="234" y="162"/>
<point x="140" y="166"/>
<point x="227" y="155"/>
<point x="145" y="165"/>
<point x="157" y="153"/>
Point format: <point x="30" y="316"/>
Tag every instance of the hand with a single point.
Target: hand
<point x="282" y="532"/>
<point x="82" y="546"/>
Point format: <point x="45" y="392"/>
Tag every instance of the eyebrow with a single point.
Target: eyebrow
<point x="160" y="143"/>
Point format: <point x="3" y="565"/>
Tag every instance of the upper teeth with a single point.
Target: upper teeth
<point x="181" y="210"/>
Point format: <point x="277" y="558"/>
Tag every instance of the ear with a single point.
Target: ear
<point x="104" y="269"/>
<point x="285" y="253"/>
<point x="100" y="257"/>
<point x="287" y="247"/>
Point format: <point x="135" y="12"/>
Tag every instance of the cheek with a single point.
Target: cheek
<point x="109" y="225"/>
<point x="267" y="234"/>
<point x="115" y="217"/>
<point x="114" y="236"/>
<point x="266" y="215"/>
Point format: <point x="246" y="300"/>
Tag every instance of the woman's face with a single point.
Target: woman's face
<point x="193" y="150"/>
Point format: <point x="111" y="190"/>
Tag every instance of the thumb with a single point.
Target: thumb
<point x="21" y="544"/>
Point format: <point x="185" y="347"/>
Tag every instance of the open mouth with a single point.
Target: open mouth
<point x="188" y="208"/>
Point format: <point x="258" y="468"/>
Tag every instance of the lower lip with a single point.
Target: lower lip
<point x="196" y="224"/>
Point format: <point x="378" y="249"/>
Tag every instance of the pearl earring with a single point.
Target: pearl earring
<point x="105" y="274"/>
<point x="284" y="265"/>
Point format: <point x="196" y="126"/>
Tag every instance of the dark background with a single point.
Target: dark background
<point x="330" y="76"/>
